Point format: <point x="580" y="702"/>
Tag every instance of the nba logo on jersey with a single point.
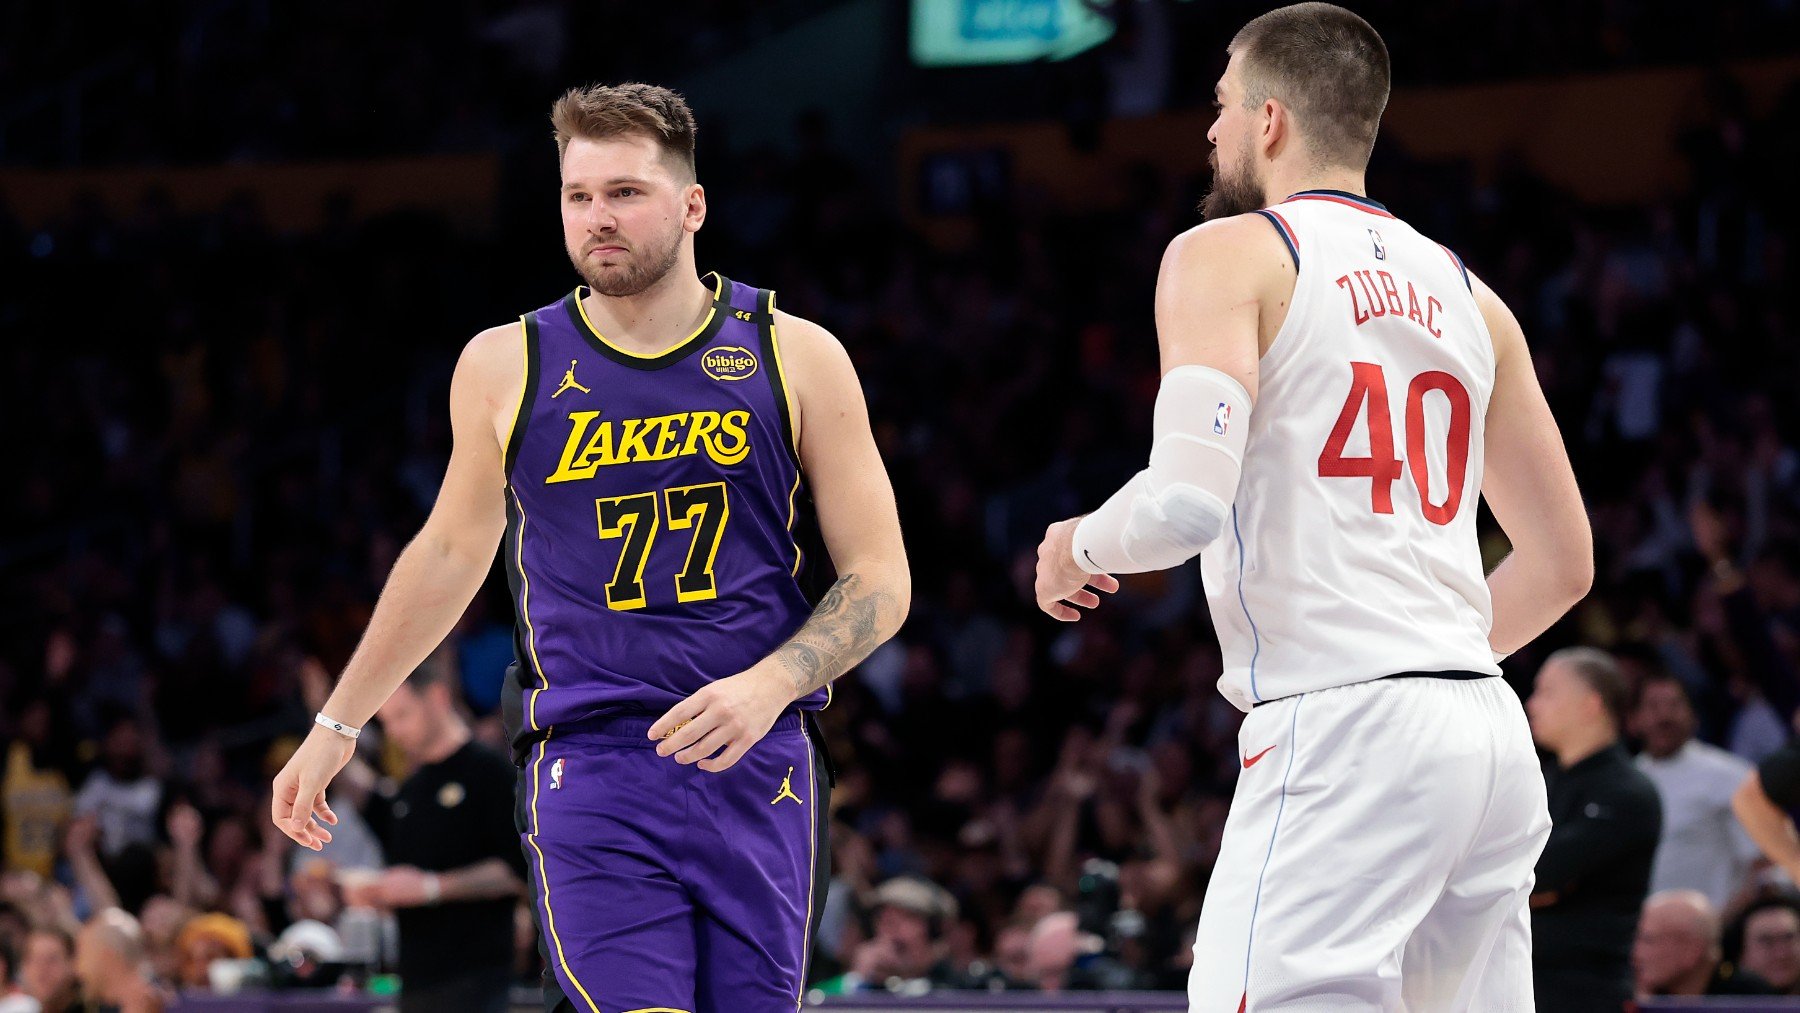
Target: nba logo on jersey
<point x="1380" y="250"/>
<point x="556" y="774"/>
<point x="1221" y="418"/>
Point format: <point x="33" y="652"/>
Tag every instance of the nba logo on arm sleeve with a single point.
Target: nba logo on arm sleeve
<point x="1221" y="418"/>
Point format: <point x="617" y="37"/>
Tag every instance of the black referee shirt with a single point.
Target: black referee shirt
<point x="1594" y="872"/>
<point x="448" y="815"/>
<point x="1780" y="776"/>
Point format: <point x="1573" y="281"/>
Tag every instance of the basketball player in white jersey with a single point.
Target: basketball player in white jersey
<point x="1336" y="390"/>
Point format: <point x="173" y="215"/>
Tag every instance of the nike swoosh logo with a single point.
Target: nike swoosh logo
<point x="1090" y="556"/>
<point x="1250" y="761"/>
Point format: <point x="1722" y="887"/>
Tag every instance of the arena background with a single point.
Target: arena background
<point x="242" y="242"/>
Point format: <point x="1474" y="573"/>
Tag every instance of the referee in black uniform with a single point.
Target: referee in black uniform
<point x="1605" y="819"/>
<point x="458" y="869"/>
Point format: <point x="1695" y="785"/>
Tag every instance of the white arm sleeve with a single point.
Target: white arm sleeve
<point x="1177" y="506"/>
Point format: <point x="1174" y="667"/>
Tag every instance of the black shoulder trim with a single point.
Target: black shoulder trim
<point x="1281" y="230"/>
<point x="765" y="312"/>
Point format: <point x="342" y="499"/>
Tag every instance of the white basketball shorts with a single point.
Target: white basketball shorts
<point x="1378" y="855"/>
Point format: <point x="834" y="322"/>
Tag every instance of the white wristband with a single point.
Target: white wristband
<point x="339" y="727"/>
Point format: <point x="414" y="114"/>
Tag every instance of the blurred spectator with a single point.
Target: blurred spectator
<point x="1677" y="950"/>
<point x="15" y="924"/>
<point x="910" y="916"/>
<point x="1010" y="970"/>
<point x="459" y="867"/>
<point x="13" y="998"/>
<point x="81" y="841"/>
<point x="112" y="965"/>
<point x="123" y="796"/>
<point x="1702" y="847"/>
<point x="1769" y="937"/>
<point x="1061" y="954"/>
<point x="34" y="793"/>
<point x="47" y="970"/>
<point x="308" y="951"/>
<point x="204" y="939"/>
<point x="1595" y="869"/>
<point x="162" y="920"/>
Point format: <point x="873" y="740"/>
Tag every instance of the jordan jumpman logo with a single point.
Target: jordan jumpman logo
<point x="569" y="382"/>
<point x="787" y="789"/>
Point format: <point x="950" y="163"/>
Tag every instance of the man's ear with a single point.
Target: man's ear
<point x="695" y="215"/>
<point x="1277" y="126"/>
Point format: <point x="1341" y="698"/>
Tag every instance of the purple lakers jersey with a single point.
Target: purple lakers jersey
<point x="651" y="511"/>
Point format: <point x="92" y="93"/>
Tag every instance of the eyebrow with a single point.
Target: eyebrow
<point x="616" y="181"/>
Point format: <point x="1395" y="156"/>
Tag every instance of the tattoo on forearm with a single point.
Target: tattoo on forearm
<point x="844" y="629"/>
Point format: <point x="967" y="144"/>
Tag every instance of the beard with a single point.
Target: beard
<point x="1233" y="193"/>
<point x="643" y="267"/>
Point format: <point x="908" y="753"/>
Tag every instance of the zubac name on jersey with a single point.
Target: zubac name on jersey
<point x="1380" y="297"/>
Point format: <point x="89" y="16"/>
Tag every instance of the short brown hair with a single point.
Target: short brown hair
<point x="601" y="111"/>
<point x="1328" y="66"/>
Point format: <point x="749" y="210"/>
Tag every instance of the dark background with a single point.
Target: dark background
<point x="225" y="404"/>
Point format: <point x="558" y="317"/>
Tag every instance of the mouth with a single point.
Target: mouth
<point x="607" y="251"/>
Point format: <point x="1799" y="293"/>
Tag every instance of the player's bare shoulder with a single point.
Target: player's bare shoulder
<point x="1226" y="265"/>
<point x="1245" y="245"/>
<point x="1504" y="332"/>
<point x="803" y="339"/>
<point x="490" y="377"/>
<point x="817" y="369"/>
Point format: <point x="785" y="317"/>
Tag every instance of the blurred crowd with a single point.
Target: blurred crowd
<point x="223" y="436"/>
<point x="111" y="82"/>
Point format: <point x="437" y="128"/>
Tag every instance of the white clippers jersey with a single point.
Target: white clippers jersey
<point x="1351" y="552"/>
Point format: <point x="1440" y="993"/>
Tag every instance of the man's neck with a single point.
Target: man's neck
<point x="1669" y="754"/>
<point x="1694" y="982"/>
<point x="120" y="984"/>
<point x="656" y="319"/>
<point x="444" y="745"/>
<point x="1284" y="183"/>
<point x="1584" y="745"/>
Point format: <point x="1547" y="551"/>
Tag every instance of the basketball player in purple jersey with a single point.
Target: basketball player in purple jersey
<point x="643" y="445"/>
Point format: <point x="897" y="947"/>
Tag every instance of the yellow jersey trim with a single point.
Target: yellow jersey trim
<point x="525" y="610"/>
<point x="581" y="307"/>
<point x="795" y="491"/>
<point x="787" y="381"/>
<point x="787" y="394"/>
<point x="812" y="865"/>
<point x="544" y="875"/>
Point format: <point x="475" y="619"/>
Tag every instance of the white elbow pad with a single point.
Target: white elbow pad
<point x="1177" y="506"/>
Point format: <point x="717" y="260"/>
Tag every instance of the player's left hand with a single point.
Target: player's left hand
<point x="724" y="718"/>
<point x="1060" y="582"/>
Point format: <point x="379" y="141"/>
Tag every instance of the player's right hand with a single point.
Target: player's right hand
<point x="1060" y="583"/>
<point x="299" y="790"/>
